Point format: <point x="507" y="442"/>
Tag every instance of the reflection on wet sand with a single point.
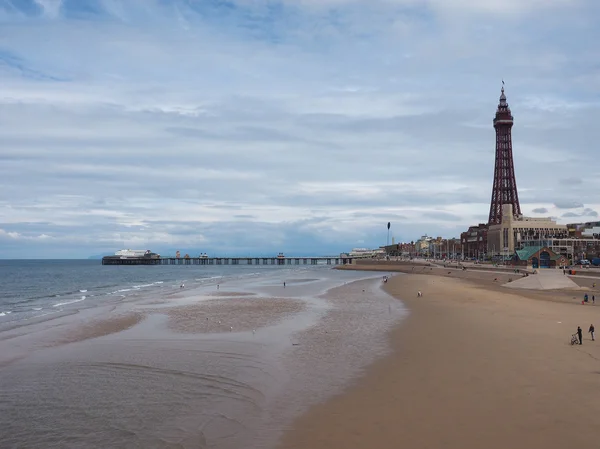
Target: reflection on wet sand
<point x="300" y="281"/>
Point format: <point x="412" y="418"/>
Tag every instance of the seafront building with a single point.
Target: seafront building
<point x="539" y="256"/>
<point x="584" y="230"/>
<point x="474" y="242"/>
<point x="404" y="249"/>
<point x="423" y="245"/>
<point x="366" y="253"/>
<point x="513" y="231"/>
<point x="429" y="247"/>
<point x="440" y="248"/>
<point x="581" y="242"/>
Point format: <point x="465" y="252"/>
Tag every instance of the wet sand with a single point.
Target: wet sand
<point x="99" y="328"/>
<point x="474" y="365"/>
<point x="229" y="294"/>
<point x="153" y="372"/>
<point x="238" y="314"/>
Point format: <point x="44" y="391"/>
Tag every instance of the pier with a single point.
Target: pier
<point x="279" y="261"/>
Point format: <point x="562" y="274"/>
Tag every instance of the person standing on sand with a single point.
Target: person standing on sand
<point x="283" y="284"/>
<point x="593" y="299"/>
<point x="591" y="331"/>
<point x="580" y="335"/>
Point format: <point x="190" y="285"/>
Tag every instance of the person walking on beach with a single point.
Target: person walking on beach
<point x="283" y="284"/>
<point x="580" y="335"/>
<point x="591" y="331"/>
<point x="593" y="299"/>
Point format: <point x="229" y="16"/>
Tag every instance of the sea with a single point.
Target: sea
<point x="223" y="357"/>
<point x="35" y="288"/>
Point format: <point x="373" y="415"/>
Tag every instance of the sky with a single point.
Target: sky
<point x="252" y="127"/>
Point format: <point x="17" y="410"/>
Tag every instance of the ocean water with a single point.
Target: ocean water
<point x="226" y="362"/>
<point x="31" y="288"/>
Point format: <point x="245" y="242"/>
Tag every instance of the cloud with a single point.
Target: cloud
<point x="442" y="216"/>
<point x="571" y="181"/>
<point x="50" y="8"/>
<point x="540" y="210"/>
<point x="586" y="212"/>
<point x="286" y="125"/>
<point x="568" y="205"/>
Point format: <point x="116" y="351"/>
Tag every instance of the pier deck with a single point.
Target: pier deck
<point x="282" y="261"/>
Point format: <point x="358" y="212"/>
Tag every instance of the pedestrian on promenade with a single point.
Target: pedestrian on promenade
<point x="580" y="335"/>
<point x="591" y="331"/>
<point x="585" y="297"/>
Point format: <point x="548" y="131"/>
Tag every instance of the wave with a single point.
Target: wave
<point x="68" y="302"/>
<point x="82" y="291"/>
<point x="136" y="287"/>
<point x="148" y="285"/>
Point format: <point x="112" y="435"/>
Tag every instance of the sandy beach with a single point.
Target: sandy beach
<point x="474" y="365"/>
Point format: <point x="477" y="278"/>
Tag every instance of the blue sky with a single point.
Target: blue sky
<point x="253" y="127"/>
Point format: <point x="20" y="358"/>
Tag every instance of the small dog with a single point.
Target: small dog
<point x="419" y="294"/>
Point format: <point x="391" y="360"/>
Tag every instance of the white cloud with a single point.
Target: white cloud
<point x="303" y="126"/>
<point x="51" y="8"/>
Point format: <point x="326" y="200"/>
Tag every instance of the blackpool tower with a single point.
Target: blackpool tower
<point x="504" y="190"/>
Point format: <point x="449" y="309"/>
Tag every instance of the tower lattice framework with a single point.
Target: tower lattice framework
<point x="504" y="190"/>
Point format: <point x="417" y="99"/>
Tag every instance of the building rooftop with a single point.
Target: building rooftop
<point x="528" y="251"/>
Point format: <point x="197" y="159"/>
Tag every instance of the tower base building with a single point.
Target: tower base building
<point x="514" y="231"/>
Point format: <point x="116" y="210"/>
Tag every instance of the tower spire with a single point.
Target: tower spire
<point x="503" y="103"/>
<point x="504" y="190"/>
